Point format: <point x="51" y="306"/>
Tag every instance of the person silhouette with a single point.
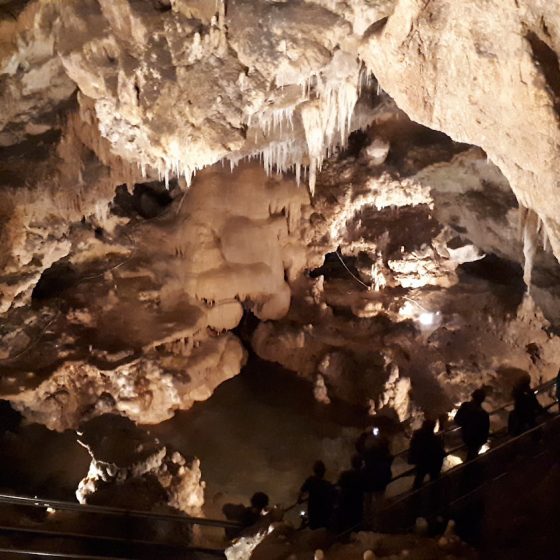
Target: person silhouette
<point x="474" y="422"/>
<point x="377" y="457"/>
<point x="526" y="408"/>
<point x="426" y="452"/>
<point x="246" y="516"/>
<point x="320" y="494"/>
<point x="350" y="508"/>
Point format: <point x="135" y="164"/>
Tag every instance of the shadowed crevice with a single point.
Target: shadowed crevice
<point x="549" y="65"/>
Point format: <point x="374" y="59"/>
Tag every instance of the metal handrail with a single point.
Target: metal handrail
<point x="73" y="556"/>
<point x="538" y="390"/>
<point x="106" y="538"/>
<point x="405" y="495"/>
<point x="107" y="510"/>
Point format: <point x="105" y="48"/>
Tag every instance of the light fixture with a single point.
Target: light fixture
<point x="426" y="319"/>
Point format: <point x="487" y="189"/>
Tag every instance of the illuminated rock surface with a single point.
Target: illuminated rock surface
<point x="131" y="469"/>
<point x="185" y="182"/>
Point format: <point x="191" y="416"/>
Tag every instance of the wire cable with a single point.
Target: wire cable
<point x="351" y="273"/>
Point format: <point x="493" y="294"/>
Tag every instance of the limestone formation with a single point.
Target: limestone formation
<point x="486" y="74"/>
<point x="362" y="191"/>
<point x="124" y="457"/>
<point x="174" y="173"/>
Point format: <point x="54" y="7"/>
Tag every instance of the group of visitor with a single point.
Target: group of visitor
<point x="360" y="490"/>
<point x="349" y="504"/>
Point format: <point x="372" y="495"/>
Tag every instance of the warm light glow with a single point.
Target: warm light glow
<point x="426" y="319"/>
<point x="453" y="461"/>
<point x="452" y="414"/>
<point x="484" y="449"/>
<point x="413" y="310"/>
<point x="51" y="510"/>
<point x="407" y="310"/>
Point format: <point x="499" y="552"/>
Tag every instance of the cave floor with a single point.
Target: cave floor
<point x="262" y="430"/>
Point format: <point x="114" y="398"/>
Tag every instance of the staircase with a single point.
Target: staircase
<point x="41" y="528"/>
<point x="36" y="528"/>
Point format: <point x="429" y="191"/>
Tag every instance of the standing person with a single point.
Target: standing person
<point x="350" y="508"/>
<point x="320" y="493"/>
<point x="259" y="503"/>
<point x="474" y="422"/>
<point x="426" y="452"/>
<point x="378" y="460"/>
<point x="526" y="408"/>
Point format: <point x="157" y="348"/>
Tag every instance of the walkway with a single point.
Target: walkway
<point x="35" y="528"/>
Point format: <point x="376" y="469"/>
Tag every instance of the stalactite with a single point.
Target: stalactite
<point x="530" y="224"/>
<point x="274" y="119"/>
<point x="329" y="97"/>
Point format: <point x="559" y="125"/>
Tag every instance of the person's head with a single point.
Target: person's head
<point x="524" y="382"/>
<point x="319" y="469"/>
<point x="429" y="425"/>
<point x="356" y="462"/>
<point x="478" y="396"/>
<point x="259" y="501"/>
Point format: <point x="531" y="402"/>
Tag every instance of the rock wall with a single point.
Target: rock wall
<point x="486" y="74"/>
<point x="146" y="333"/>
<point x="129" y="468"/>
<point x="106" y="310"/>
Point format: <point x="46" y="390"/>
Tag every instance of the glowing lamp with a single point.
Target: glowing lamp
<point x="426" y="319"/>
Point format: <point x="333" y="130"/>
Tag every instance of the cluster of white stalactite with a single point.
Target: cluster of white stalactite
<point x="274" y="119"/>
<point x="327" y="118"/>
<point x="325" y="109"/>
<point x="279" y="157"/>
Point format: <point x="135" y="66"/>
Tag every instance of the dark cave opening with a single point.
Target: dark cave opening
<point x="147" y="200"/>
<point x="54" y="281"/>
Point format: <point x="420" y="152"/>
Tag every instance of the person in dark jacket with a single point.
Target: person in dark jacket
<point x="350" y="507"/>
<point x="426" y="452"/>
<point x="526" y="408"/>
<point x="375" y="452"/>
<point x="320" y="494"/>
<point x="377" y="465"/>
<point x="474" y="422"/>
<point x="246" y="516"/>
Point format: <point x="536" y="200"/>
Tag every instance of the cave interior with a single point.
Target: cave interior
<point x="235" y="234"/>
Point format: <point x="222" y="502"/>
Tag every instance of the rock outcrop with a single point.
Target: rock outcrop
<point x="147" y="333"/>
<point x="129" y="468"/>
<point x="486" y="74"/>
